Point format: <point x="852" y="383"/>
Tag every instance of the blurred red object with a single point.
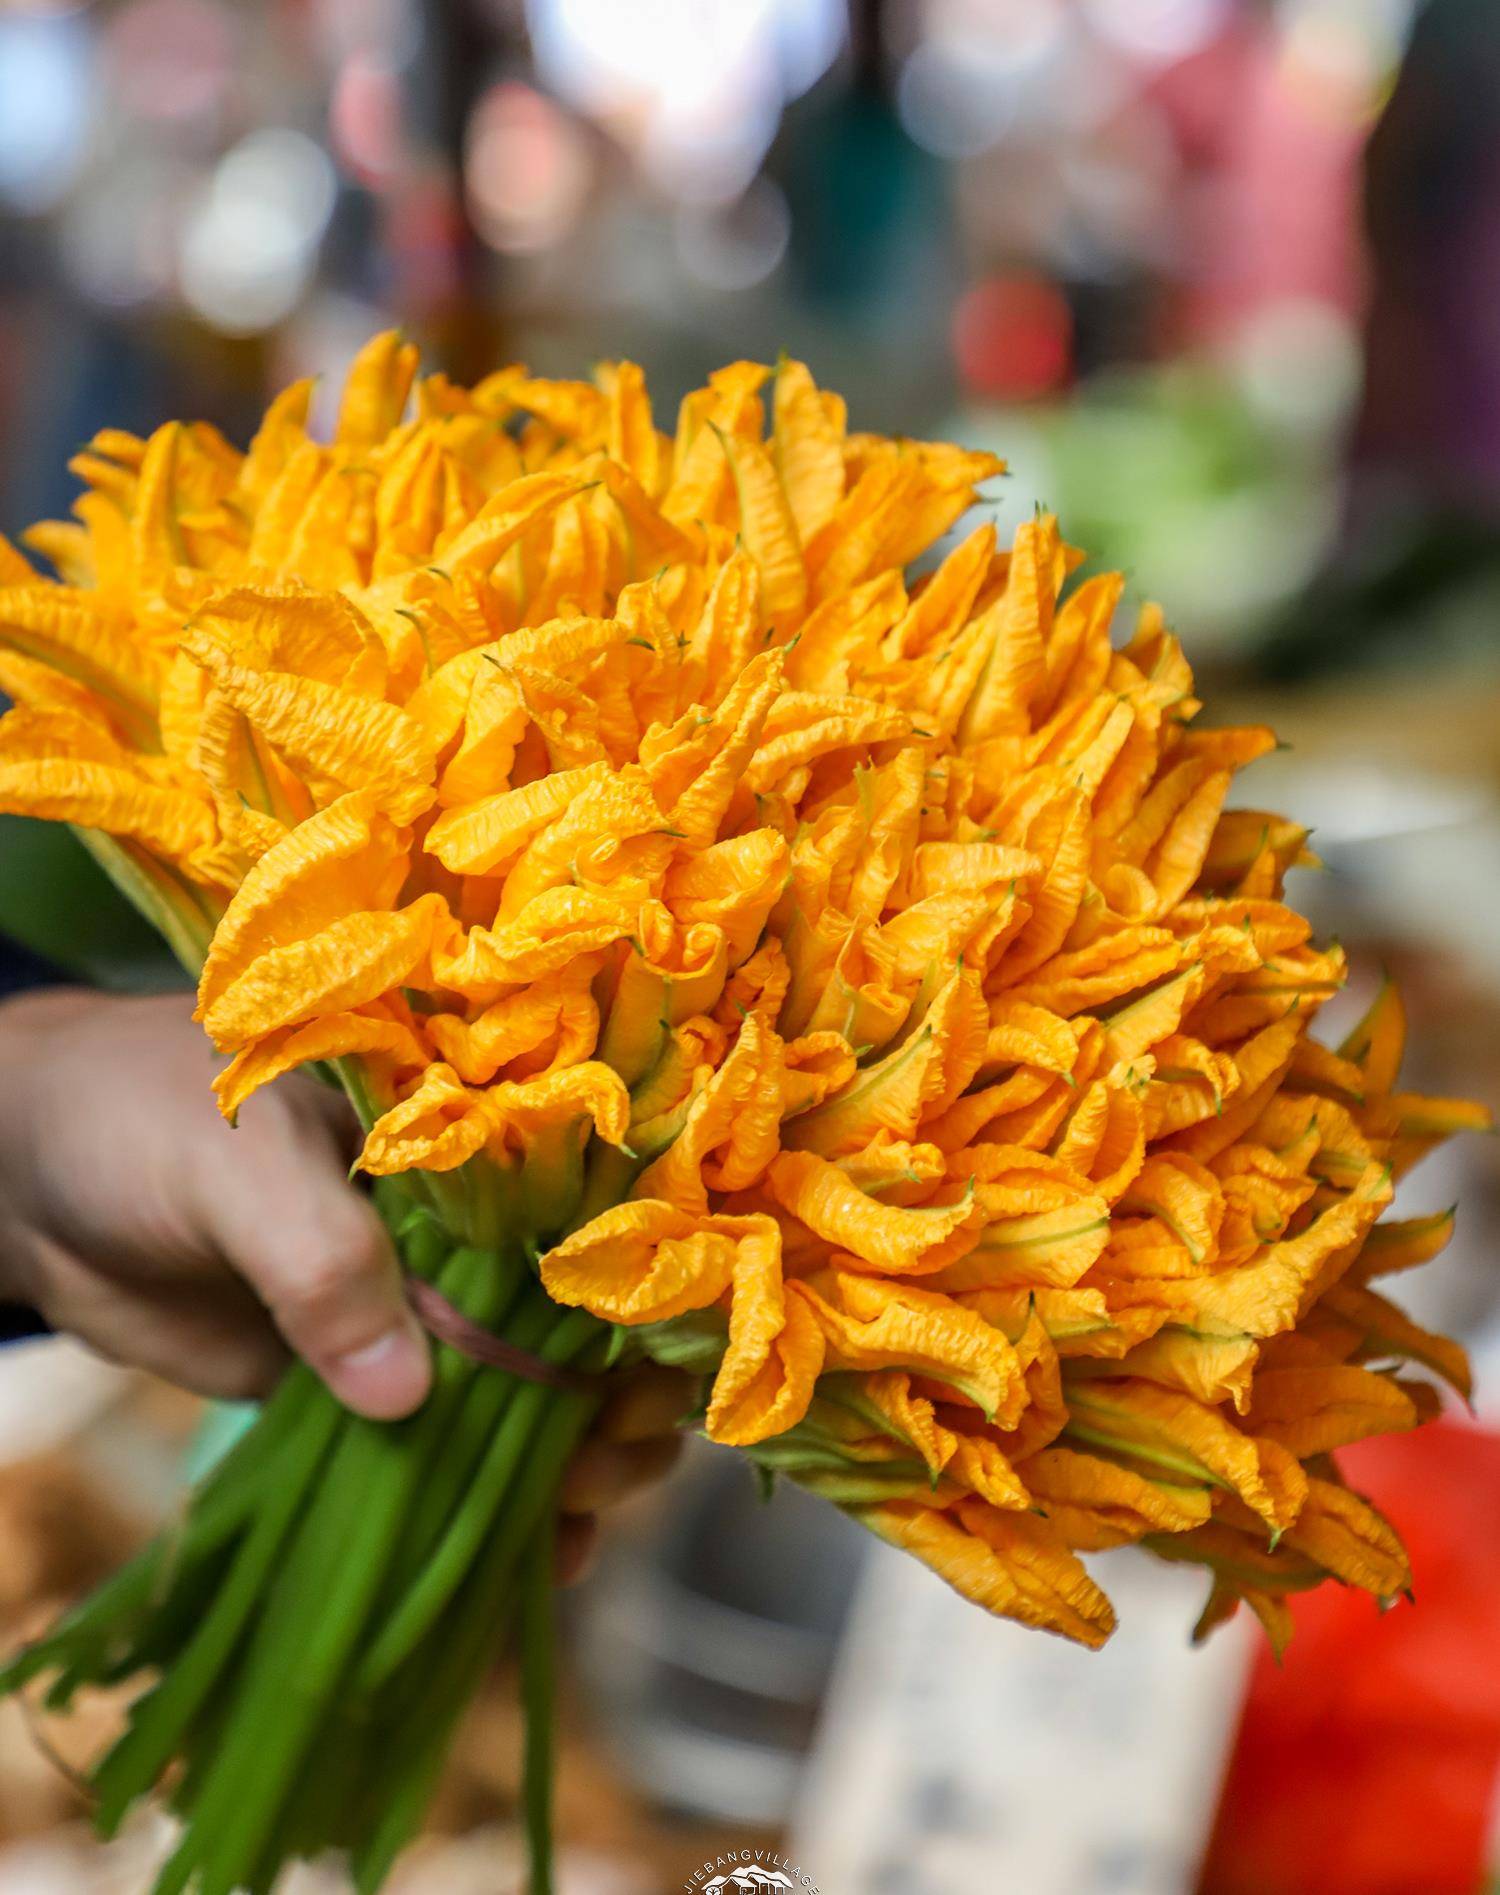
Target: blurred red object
<point x="1013" y="338"/>
<point x="1368" y="1763"/>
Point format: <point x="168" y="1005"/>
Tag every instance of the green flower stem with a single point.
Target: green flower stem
<point x="425" y="1247"/>
<point x="520" y="1316"/>
<point x="607" y="1178"/>
<point x="449" y="1673"/>
<point x="95" y="1643"/>
<point x="157" y="1721"/>
<point x="449" y="1667"/>
<point x="485" y="1401"/>
<point x="354" y="1737"/>
<point x="539" y="1694"/>
<point x="314" y="1613"/>
<point x="325" y="1608"/>
<point x="445" y="1569"/>
<point x="244" y="1797"/>
<point x="312" y="1620"/>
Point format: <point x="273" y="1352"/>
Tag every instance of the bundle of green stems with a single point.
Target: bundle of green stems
<point x="316" y="1621"/>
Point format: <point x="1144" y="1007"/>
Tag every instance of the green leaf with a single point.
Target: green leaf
<point x="56" y="901"/>
<point x="694" y="1342"/>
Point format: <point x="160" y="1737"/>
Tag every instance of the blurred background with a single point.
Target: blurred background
<point x="1221" y="279"/>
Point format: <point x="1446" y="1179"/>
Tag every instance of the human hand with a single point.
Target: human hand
<point x="633" y="1445"/>
<point x="134" y="1217"/>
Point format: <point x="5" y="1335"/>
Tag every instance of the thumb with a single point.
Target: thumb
<point x="326" y="1270"/>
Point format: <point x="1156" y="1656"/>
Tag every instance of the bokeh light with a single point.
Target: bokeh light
<point x="118" y="241"/>
<point x="694" y="88"/>
<point x="251" y="240"/>
<point x="526" y="169"/>
<point x="46" y="87"/>
<point x="1332" y="64"/>
<point x="171" y="60"/>
<point x="1159" y="30"/>
<point x="970" y="75"/>
<point x="1298" y="363"/>
<point x="735" y="246"/>
<point x="364" y="119"/>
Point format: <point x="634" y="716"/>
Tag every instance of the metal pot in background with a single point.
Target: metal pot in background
<point x="708" y="1635"/>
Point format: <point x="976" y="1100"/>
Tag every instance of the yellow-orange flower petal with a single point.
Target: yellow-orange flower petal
<point x="442" y="1122"/>
<point x="644" y="1262"/>
<point x="1346" y="1536"/>
<point x="830" y="1203"/>
<point x="171" y="822"/>
<point x="1312" y="1410"/>
<point x="1164" y="1429"/>
<point x="1010" y="1563"/>
<point x="355" y="959"/>
<point x="776" y="1349"/>
<point x="337" y="740"/>
<point x="872" y="1323"/>
<point x="1095" y="1504"/>
<point x="334" y="1036"/>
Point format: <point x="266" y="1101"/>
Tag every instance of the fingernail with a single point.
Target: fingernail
<point x="386" y="1379"/>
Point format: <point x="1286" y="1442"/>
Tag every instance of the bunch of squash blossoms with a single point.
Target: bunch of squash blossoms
<point x="849" y="986"/>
